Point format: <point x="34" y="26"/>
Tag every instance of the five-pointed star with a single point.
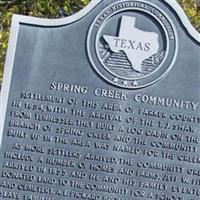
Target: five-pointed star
<point x="125" y="82"/>
<point x="116" y="80"/>
<point x="135" y="83"/>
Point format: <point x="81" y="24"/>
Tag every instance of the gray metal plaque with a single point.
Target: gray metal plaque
<point x="102" y="105"/>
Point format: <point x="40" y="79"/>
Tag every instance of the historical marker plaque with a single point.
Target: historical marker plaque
<point x="102" y="105"/>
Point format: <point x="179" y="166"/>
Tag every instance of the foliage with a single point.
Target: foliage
<point x="57" y="9"/>
<point x="37" y="8"/>
<point x="192" y="9"/>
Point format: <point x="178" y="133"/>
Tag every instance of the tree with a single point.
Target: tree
<point x="37" y="8"/>
<point x="192" y="9"/>
<point x="58" y="9"/>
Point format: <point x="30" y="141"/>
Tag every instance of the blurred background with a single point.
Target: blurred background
<point x="59" y="9"/>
